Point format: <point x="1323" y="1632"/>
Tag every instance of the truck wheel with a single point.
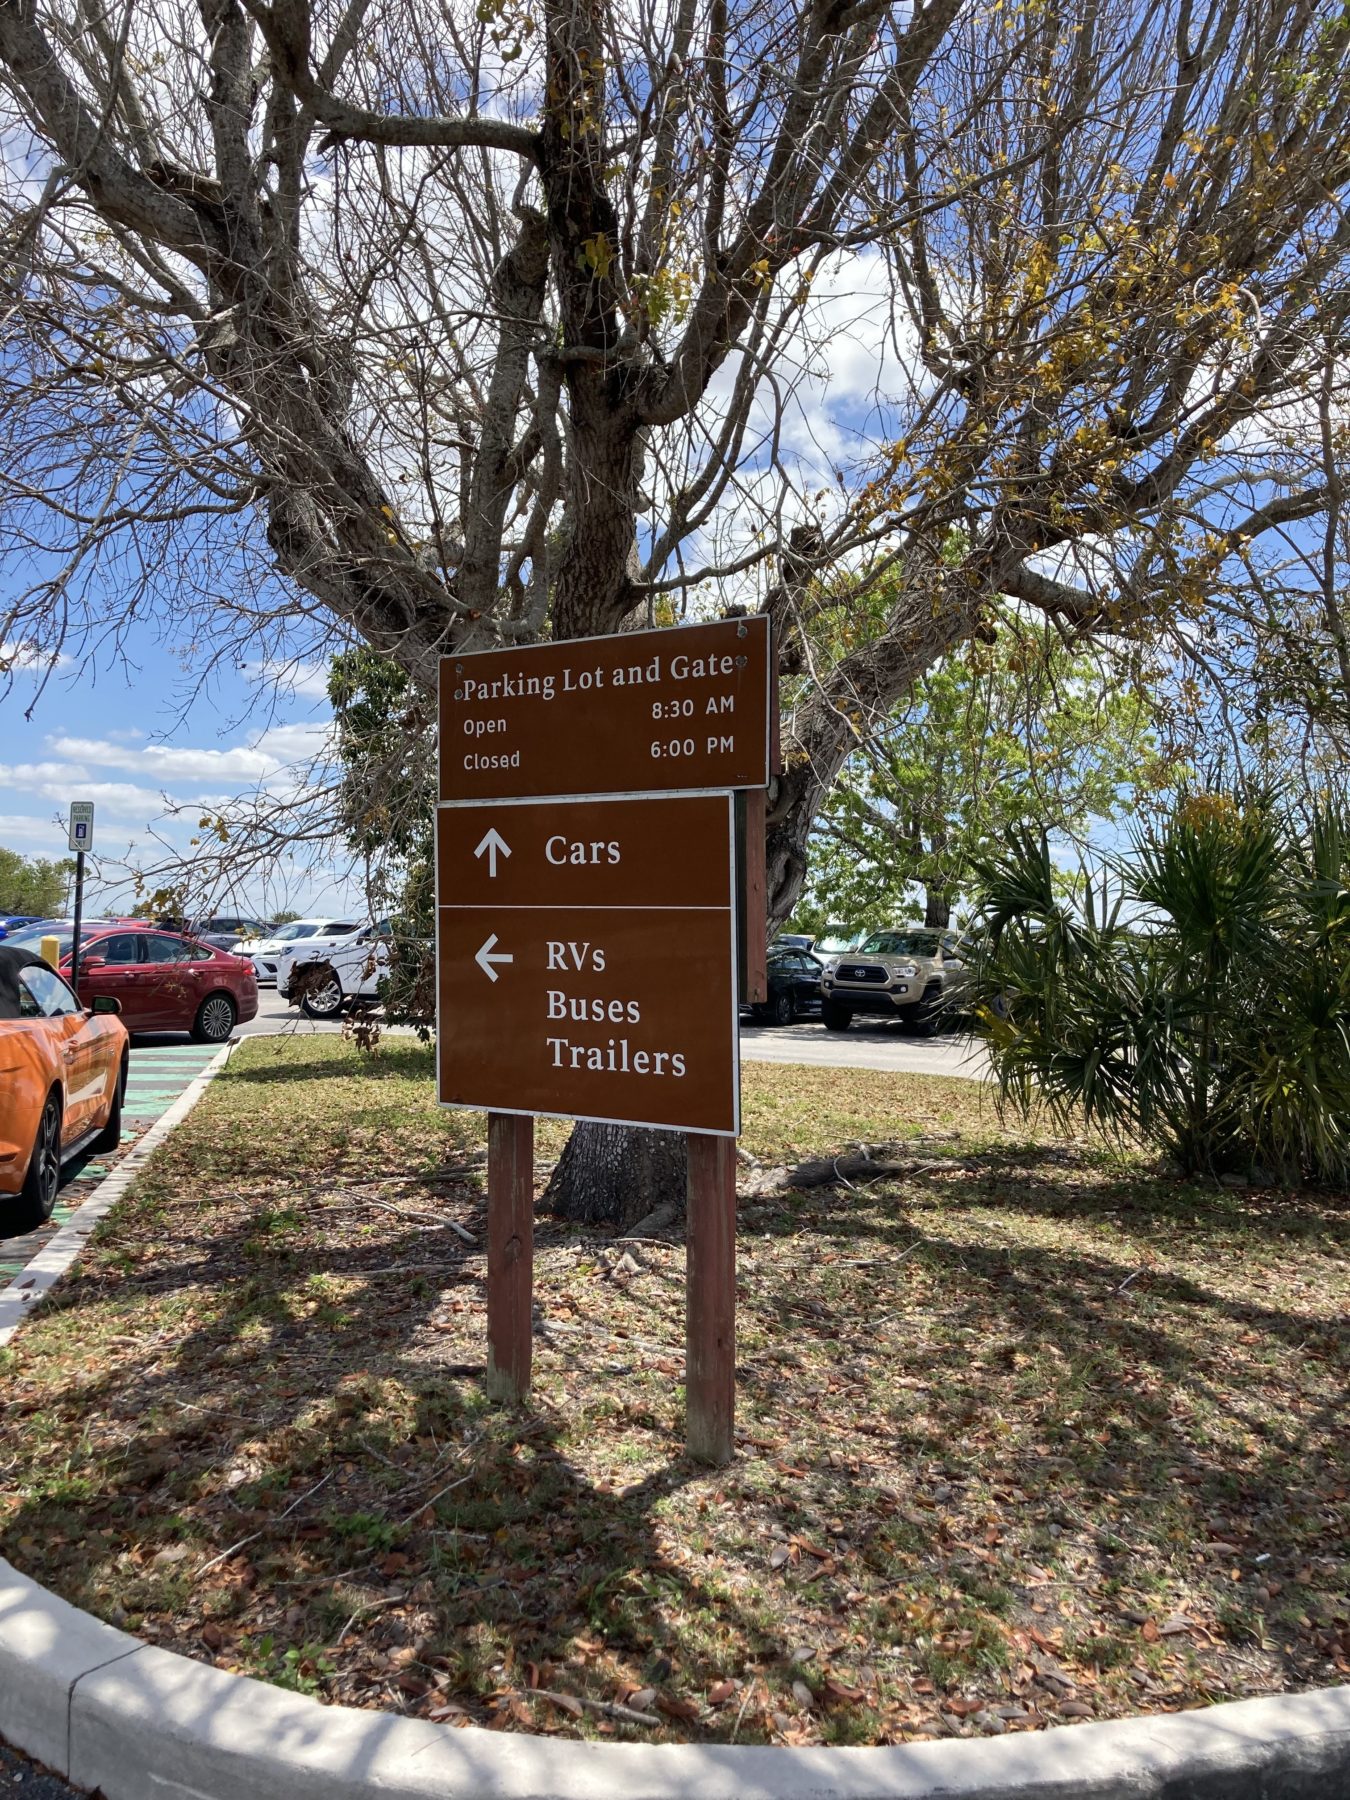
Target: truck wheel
<point x="324" y="999"/>
<point x="928" y="1013"/>
<point x="835" y="1017"/>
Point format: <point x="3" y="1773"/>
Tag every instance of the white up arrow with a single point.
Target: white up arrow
<point x="495" y="845"/>
<point x="486" y="956"/>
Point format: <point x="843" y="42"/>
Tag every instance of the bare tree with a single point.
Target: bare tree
<point x="441" y="327"/>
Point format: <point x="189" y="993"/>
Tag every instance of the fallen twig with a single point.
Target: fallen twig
<point x="867" y="1262"/>
<point x="611" y="1708"/>
<point x="411" y="1269"/>
<point x="407" y="1212"/>
<point x="252" y="1537"/>
<point x="441" y="1492"/>
<point x="370" y="1606"/>
<point x="750" y="1687"/>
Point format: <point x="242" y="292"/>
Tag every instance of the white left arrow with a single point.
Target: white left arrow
<point x="494" y="845"/>
<point x="486" y="956"/>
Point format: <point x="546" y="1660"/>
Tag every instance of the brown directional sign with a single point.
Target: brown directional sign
<point x="640" y="712"/>
<point x="586" y="960"/>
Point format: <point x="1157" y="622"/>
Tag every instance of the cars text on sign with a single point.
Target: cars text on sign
<point x="683" y="708"/>
<point x="586" y="964"/>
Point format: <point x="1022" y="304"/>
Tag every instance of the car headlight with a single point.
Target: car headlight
<point x="907" y="970"/>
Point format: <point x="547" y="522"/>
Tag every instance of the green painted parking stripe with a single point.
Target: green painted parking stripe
<point x="155" y="1080"/>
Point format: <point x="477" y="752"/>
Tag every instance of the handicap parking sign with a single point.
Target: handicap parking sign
<point x="81" y="824"/>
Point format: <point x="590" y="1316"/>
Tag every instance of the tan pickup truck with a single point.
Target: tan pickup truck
<point x="907" y="972"/>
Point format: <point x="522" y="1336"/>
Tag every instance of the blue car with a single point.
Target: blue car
<point x="14" y="922"/>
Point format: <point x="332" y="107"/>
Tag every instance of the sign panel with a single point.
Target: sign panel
<point x="82" y="825"/>
<point x="640" y="712"/>
<point x="586" y="960"/>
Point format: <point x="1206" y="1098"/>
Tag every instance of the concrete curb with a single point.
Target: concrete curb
<point x="51" y="1263"/>
<point x="107" y="1711"/>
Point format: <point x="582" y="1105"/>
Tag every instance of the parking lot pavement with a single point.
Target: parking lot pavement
<point x="274" y="1015"/>
<point x="25" y="1781"/>
<point x="874" y="1044"/>
<point x="159" y="1071"/>
<point x="867" y="1044"/>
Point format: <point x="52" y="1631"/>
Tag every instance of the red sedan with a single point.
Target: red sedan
<point x="163" y="980"/>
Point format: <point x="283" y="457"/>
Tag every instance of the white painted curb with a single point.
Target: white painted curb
<point x="109" y="1712"/>
<point x="51" y="1263"/>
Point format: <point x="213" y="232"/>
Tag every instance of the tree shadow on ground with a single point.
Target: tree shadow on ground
<point x="289" y="1410"/>
<point x="290" y="1385"/>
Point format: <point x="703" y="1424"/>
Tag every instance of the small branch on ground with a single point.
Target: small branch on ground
<point x="574" y="1702"/>
<point x="253" y="1536"/>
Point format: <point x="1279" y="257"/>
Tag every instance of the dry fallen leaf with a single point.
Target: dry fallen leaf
<point x="837" y="1691"/>
<point x="675" y="1708"/>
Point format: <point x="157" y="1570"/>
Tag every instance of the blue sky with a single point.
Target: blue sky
<point x="141" y="737"/>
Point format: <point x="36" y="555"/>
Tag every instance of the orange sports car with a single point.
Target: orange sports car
<point x="63" y="1074"/>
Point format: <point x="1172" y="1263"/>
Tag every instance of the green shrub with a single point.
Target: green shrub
<point x="1197" y="997"/>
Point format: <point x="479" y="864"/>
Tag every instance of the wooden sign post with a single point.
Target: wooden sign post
<point x="510" y="1276"/>
<point x="588" y="911"/>
<point x="710" y="1299"/>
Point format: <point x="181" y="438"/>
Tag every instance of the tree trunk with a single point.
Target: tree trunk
<point x="617" y="1175"/>
<point x="937" y="908"/>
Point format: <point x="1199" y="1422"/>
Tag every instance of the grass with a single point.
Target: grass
<point x="1031" y="1433"/>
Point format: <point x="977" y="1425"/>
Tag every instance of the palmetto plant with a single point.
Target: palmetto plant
<point x="1196" y="995"/>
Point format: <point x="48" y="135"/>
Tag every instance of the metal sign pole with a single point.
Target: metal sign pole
<point x="79" y="915"/>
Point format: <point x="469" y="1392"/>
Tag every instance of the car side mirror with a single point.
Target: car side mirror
<point x="93" y="962"/>
<point x="106" y="1003"/>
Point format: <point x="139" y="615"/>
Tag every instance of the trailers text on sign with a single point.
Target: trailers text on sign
<point x="680" y="709"/>
<point x="586" y="962"/>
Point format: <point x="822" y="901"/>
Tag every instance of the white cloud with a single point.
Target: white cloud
<point x="36" y="836"/>
<point x="15" y="655"/>
<point x="273" y="751"/>
<point x="309" y="681"/>
<point x="291" y="744"/>
<point x="21" y="776"/>
<point x="172" y="763"/>
<point x="123" y="799"/>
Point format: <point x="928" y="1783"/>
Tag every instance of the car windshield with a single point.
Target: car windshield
<point x="901" y="943"/>
<point x="298" y="929"/>
<point x="64" y="935"/>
